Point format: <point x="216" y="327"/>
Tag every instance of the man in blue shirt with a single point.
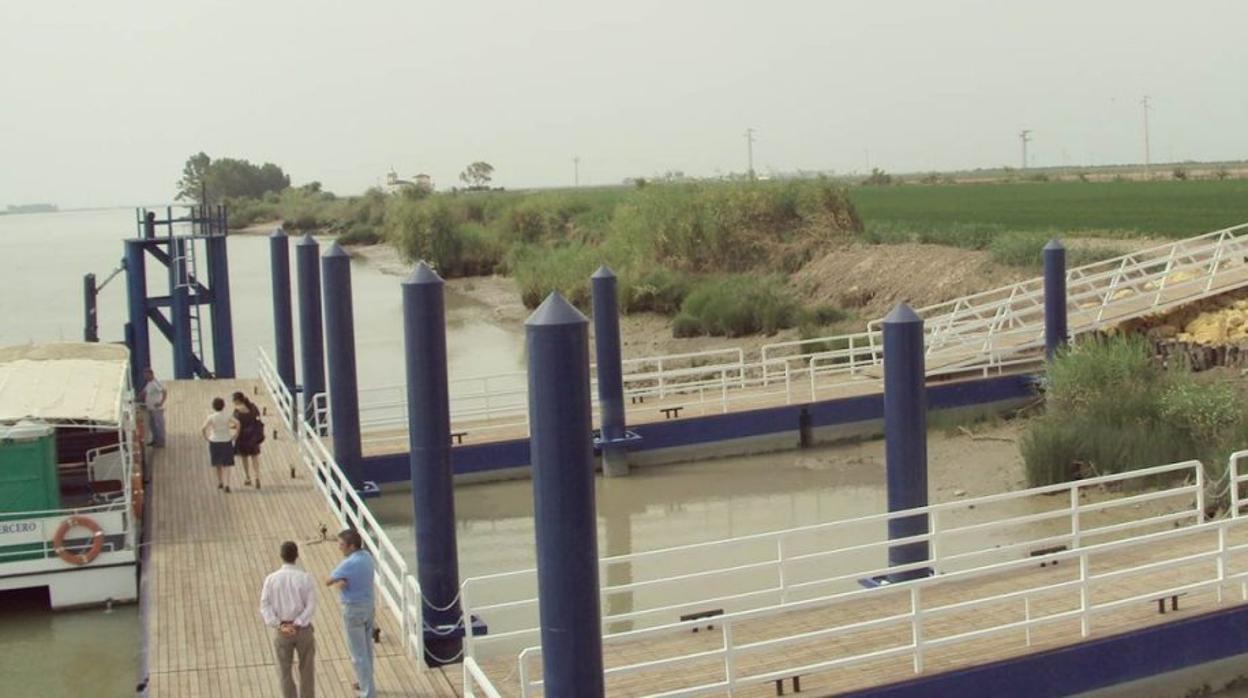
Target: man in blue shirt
<point x="354" y="579"/>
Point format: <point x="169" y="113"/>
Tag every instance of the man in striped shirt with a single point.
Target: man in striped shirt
<point x="287" y="603"/>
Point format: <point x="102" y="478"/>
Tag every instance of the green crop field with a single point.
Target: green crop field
<point x="1170" y="208"/>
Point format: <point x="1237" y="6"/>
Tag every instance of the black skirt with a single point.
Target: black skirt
<point x="221" y="452"/>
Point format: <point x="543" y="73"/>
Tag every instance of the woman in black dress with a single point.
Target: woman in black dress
<point x="250" y="434"/>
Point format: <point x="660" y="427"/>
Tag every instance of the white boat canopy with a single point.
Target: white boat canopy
<point x="63" y="382"/>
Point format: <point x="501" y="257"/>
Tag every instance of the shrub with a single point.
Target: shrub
<point x="737" y="305"/>
<point x="1179" y="173"/>
<point x="360" y="235"/>
<point x="1110" y="407"/>
<point x="656" y="290"/>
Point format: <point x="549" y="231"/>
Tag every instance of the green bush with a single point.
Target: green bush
<point x="1110" y="407"/>
<point x="737" y="305"/>
<point x="1026" y="249"/>
<point x="656" y="290"/>
<point x="360" y="235"/>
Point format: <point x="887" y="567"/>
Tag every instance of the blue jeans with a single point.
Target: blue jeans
<point x="358" y="621"/>
<point x="156" y="422"/>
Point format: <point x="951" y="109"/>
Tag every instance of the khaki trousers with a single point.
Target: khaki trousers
<point x="303" y="642"/>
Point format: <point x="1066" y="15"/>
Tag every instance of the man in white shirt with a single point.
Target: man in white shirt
<point x="287" y="603"/>
<point x="154" y="405"/>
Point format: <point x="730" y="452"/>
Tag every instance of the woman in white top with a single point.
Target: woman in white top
<point x="220" y="429"/>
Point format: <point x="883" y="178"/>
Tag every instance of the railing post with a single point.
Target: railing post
<point x="311" y="335"/>
<point x="1200" y="493"/>
<point x="905" y="436"/>
<point x="1084" y="625"/>
<point x="730" y="660"/>
<point x="661" y="383"/>
<point x="1075" y="528"/>
<point x="344" y="393"/>
<point x="1055" y="331"/>
<point x="1232" y="474"/>
<point x="1027" y="619"/>
<point x="723" y="391"/>
<point x="610" y="371"/>
<point x="1221" y="559"/>
<point x="784" y="587"/>
<point x="916" y="625"/>
<point x="788" y="385"/>
<point x="565" y="520"/>
<point x="429" y="440"/>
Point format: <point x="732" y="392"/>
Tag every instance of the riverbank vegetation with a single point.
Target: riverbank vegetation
<point x="712" y="253"/>
<point x="1111" y="406"/>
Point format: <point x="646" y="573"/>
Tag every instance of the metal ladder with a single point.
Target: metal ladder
<point x="187" y="263"/>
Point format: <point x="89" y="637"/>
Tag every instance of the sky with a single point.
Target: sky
<point x="101" y="103"/>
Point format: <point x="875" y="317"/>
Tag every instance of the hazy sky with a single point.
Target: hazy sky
<point x="102" y="102"/>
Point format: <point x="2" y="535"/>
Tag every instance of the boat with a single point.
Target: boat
<point x="70" y="473"/>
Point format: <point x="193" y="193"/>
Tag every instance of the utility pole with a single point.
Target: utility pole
<point x="1025" y="137"/>
<point x="576" y="171"/>
<point x="1147" y="157"/>
<point x="749" y="146"/>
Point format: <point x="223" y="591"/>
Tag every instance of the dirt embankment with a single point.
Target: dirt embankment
<point x="866" y="280"/>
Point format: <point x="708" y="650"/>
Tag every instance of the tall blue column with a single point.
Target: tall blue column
<point x="1055" y="333"/>
<point x="429" y="436"/>
<point x="180" y="309"/>
<point x="283" y="324"/>
<point x="136" y="303"/>
<point x="561" y="452"/>
<point x="222" y="322"/>
<point x="905" y="434"/>
<point x="610" y="372"/>
<point x="311" y="339"/>
<point x="344" y="396"/>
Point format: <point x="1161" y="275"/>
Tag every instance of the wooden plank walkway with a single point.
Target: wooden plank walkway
<point x="211" y="551"/>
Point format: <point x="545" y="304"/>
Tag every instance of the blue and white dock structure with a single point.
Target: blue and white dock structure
<point x="189" y="290"/>
<point x="1055" y="318"/>
<point x="283" y="318"/>
<point x="433" y="489"/>
<point x="905" y="439"/>
<point x="612" y="439"/>
<point x="564" y="518"/>
<point x="344" y="394"/>
<point x="311" y="333"/>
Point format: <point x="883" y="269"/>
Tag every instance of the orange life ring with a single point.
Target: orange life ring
<point x="97" y="540"/>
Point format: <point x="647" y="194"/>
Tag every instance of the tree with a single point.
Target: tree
<point x="477" y="175"/>
<point x="194" y="176"/>
<point x="228" y="178"/>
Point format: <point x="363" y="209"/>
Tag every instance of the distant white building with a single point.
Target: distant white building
<point x="395" y="185"/>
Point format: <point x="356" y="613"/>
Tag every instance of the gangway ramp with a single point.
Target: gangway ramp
<point x="988" y="333"/>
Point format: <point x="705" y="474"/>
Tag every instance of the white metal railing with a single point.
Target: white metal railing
<point x="498" y="403"/>
<point x="1091" y="593"/>
<point x="1181" y="538"/>
<point x="982" y="333"/>
<point x="794" y="565"/>
<point x="399" y="590"/>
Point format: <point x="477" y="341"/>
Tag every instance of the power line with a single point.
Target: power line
<point x="749" y="147"/>
<point x="1147" y="155"/>
<point x="576" y="171"/>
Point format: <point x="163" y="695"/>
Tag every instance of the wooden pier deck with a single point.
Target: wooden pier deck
<point x="209" y="556"/>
